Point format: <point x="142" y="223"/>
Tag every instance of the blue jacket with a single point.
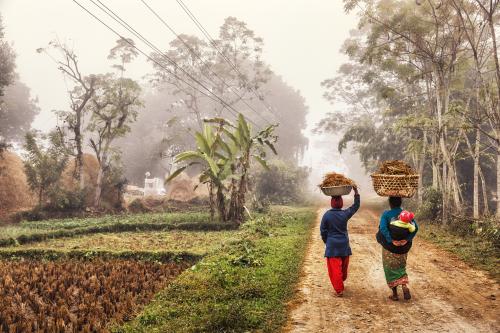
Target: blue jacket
<point x="333" y="230"/>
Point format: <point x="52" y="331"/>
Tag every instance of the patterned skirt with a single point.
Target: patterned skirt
<point x="394" y="268"/>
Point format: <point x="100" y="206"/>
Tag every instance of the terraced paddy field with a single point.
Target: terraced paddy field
<point x="151" y="272"/>
<point x="196" y="242"/>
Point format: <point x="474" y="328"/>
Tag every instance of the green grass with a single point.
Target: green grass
<point x="243" y="286"/>
<point x="30" y="232"/>
<point x="476" y="251"/>
<point x="195" y="242"/>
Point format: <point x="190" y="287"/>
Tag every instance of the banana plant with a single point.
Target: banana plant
<point x="250" y="147"/>
<point x="225" y="150"/>
<point x="215" y="167"/>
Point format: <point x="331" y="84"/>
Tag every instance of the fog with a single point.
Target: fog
<point x="302" y="39"/>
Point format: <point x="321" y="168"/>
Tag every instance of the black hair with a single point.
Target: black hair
<point x="395" y="202"/>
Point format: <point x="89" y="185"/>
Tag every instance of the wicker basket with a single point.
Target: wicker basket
<point x="334" y="191"/>
<point x="403" y="186"/>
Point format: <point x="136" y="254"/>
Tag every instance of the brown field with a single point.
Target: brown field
<point x="77" y="296"/>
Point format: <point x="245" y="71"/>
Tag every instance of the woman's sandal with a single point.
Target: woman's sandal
<point x="406" y="292"/>
<point x="394" y="296"/>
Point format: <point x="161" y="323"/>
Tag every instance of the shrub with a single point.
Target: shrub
<point x="430" y="209"/>
<point x="64" y="200"/>
<point x="486" y="228"/>
<point x="282" y="184"/>
<point x="44" y="163"/>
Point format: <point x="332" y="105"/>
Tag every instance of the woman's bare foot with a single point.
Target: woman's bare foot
<point x="406" y="292"/>
<point x="394" y="296"/>
<point x="339" y="294"/>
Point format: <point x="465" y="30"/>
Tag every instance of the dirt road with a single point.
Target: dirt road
<point x="448" y="295"/>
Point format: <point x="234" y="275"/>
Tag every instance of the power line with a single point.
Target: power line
<point x="151" y="45"/>
<point x="129" y="28"/>
<point x="202" y="60"/>
<point x="214" y="44"/>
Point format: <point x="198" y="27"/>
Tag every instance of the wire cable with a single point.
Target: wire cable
<point x="214" y="44"/>
<point x="155" y="13"/>
<point x="124" y="24"/>
<point x="210" y="94"/>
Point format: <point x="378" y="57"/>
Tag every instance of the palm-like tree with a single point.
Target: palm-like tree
<point x="225" y="151"/>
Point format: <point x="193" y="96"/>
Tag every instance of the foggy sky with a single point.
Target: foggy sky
<point x="302" y="39"/>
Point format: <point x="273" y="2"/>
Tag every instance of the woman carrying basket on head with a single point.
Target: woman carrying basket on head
<point x="396" y="232"/>
<point x="333" y="231"/>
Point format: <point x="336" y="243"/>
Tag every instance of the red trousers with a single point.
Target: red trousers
<point x="337" y="270"/>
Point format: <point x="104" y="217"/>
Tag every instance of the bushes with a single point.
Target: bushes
<point x="487" y="228"/>
<point x="430" y="209"/>
<point x="66" y="200"/>
<point x="282" y="184"/>
<point x="44" y="163"/>
<point x="163" y="204"/>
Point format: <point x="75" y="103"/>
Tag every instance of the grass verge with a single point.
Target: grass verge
<point x="476" y="251"/>
<point x="243" y="286"/>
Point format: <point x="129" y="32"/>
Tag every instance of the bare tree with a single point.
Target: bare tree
<point x="79" y="95"/>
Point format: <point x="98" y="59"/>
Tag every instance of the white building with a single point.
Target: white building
<point x="153" y="186"/>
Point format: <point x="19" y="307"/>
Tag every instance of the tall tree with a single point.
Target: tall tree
<point x="422" y="78"/>
<point x="18" y="111"/>
<point x="229" y="67"/>
<point x="7" y="61"/>
<point x="79" y="96"/>
<point x="112" y="108"/>
<point x="7" y="74"/>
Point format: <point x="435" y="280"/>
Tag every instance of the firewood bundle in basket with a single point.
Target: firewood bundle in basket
<point x="395" y="179"/>
<point x="336" y="184"/>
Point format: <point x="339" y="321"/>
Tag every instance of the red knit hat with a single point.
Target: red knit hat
<point x="337" y="202"/>
<point x="406" y="216"/>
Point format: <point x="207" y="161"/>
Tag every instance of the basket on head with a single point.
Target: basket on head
<point x="404" y="186"/>
<point x="334" y="191"/>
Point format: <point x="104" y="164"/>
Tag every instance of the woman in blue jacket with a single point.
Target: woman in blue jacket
<point x="333" y="231"/>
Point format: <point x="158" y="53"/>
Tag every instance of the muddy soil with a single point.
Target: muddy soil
<point x="448" y="295"/>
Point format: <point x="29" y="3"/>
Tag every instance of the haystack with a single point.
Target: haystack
<point x="181" y="188"/>
<point x="15" y="195"/>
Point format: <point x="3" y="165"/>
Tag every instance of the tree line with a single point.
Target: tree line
<point x="423" y="83"/>
<point x="110" y="114"/>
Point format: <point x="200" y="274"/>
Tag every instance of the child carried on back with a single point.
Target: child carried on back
<point x="401" y="228"/>
<point x="397" y="230"/>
